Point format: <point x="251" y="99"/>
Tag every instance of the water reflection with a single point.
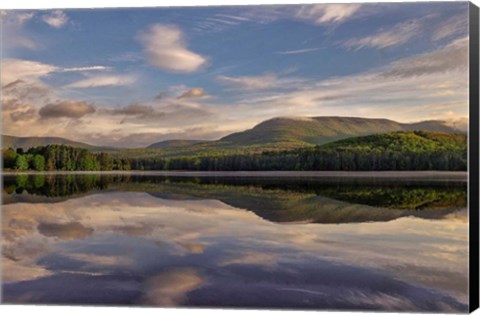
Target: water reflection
<point x="217" y="242"/>
<point x="277" y="200"/>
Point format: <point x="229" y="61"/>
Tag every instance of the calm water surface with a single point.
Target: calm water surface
<point x="320" y="243"/>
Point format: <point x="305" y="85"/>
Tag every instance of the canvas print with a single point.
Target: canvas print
<point x="266" y="156"/>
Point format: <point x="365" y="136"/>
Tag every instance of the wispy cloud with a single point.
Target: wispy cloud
<point x="425" y="80"/>
<point x="397" y="35"/>
<point x="14" y="36"/>
<point x="456" y="25"/>
<point x="165" y="48"/>
<point x="453" y="56"/>
<point x="56" y="19"/>
<point x="18" y="69"/>
<point x="296" y="52"/>
<point x="102" y="81"/>
<point x="138" y="110"/>
<point x="259" y="82"/>
<point x="16" y="18"/>
<point x="324" y="14"/>
<point x="88" y="68"/>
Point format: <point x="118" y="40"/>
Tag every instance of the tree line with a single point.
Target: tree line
<point x="61" y="158"/>
<point x="360" y="158"/>
<point x="314" y="159"/>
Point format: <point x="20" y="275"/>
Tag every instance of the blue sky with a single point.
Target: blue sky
<point x="130" y="77"/>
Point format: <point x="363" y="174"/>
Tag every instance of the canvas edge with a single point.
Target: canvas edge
<point x="474" y="158"/>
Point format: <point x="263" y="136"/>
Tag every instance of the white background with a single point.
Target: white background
<point x="82" y="310"/>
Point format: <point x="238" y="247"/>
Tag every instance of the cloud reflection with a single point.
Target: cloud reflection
<point x="170" y="287"/>
<point x="113" y="234"/>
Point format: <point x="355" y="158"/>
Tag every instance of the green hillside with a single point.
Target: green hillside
<point x="321" y="130"/>
<point x="403" y="142"/>
<point x="280" y="134"/>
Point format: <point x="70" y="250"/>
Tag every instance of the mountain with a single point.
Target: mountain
<point x="276" y="134"/>
<point x="174" y="143"/>
<point x="29" y="142"/>
<point x="321" y="130"/>
<point x="284" y="133"/>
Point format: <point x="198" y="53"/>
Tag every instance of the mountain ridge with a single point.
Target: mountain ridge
<point x="165" y="144"/>
<point x="323" y="129"/>
<point x="277" y="132"/>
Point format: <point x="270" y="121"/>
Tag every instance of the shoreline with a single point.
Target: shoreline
<point x="417" y="175"/>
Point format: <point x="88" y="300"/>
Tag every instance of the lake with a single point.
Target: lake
<point x="377" y="242"/>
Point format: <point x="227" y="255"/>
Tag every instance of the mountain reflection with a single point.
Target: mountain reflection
<point x="276" y="200"/>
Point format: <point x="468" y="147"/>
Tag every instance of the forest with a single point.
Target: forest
<point x="61" y="158"/>
<point x="401" y="151"/>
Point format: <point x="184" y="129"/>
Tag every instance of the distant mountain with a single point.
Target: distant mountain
<point x="321" y="130"/>
<point x="431" y="125"/>
<point x="281" y="133"/>
<point x="284" y="133"/>
<point x="30" y="142"/>
<point x="174" y="143"/>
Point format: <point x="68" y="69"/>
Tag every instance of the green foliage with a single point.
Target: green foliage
<point x="21" y="163"/>
<point x="62" y="158"/>
<point x="38" y="162"/>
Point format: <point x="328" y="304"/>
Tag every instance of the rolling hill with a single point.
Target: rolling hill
<point x="173" y="144"/>
<point x="285" y="133"/>
<point x="30" y="142"/>
<point x="275" y="134"/>
<point x="321" y="130"/>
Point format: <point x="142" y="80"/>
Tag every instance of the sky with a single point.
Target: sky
<point x="132" y="77"/>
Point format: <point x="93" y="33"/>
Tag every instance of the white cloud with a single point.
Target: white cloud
<point x="397" y="35"/>
<point x="102" y="81"/>
<point x="452" y="26"/>
<point x="16" y="69"/>
<point x="165" y="48"/>
<point x="259" y="82"/>
<point x="55" y="19"/>
<point x="327" y="13"/>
